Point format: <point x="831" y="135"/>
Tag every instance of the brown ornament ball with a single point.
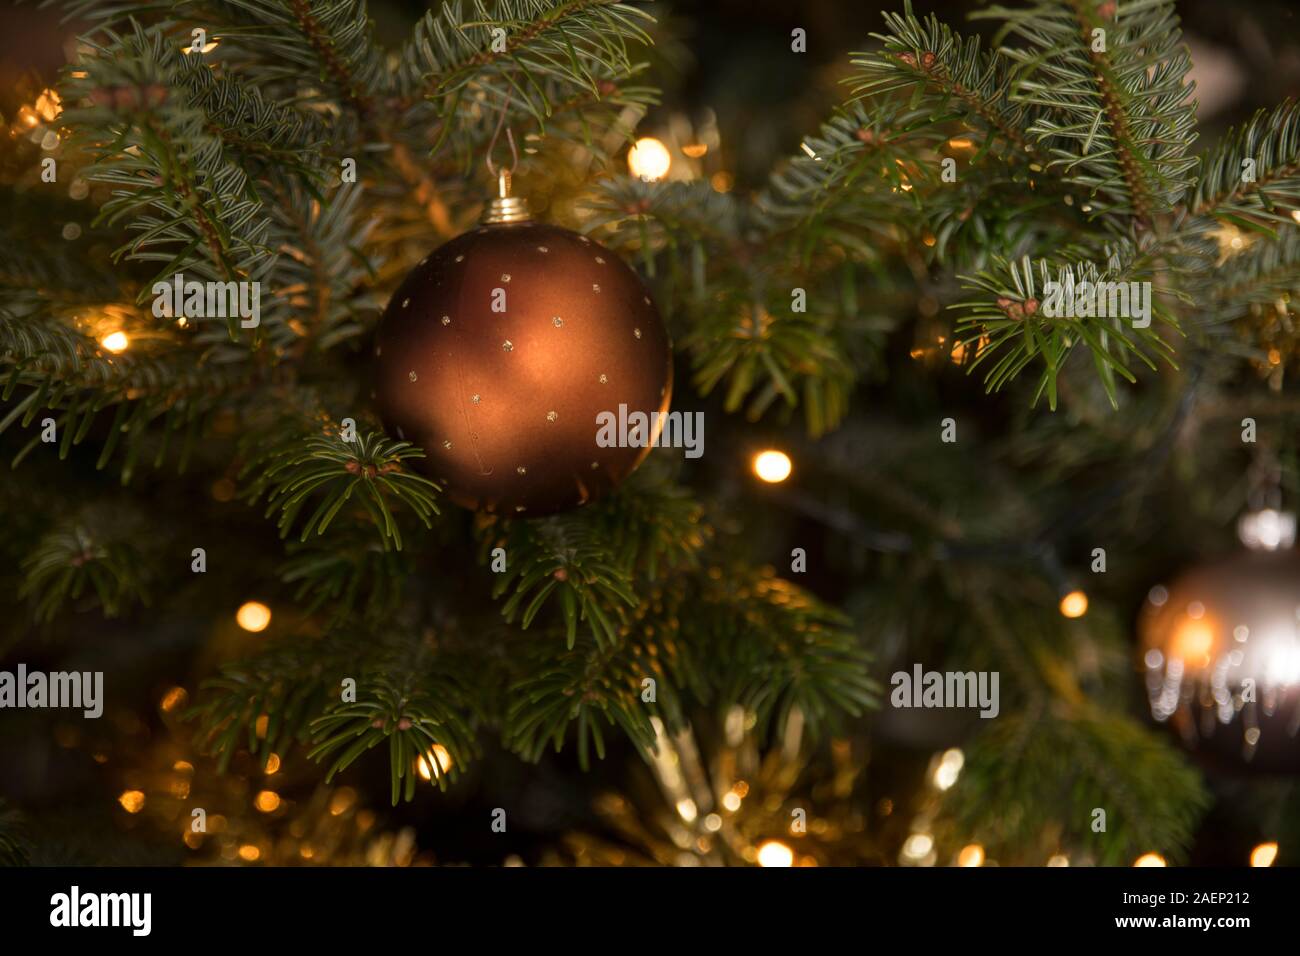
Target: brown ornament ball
<point x="497" y="353"/>
<point x="1221" y="654"/>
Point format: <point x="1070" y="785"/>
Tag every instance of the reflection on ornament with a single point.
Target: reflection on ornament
<point x="1267" y="529"/>
<point x="1221" y="646"/>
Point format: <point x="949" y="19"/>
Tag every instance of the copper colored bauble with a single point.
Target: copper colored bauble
<point x="1221" y="653"/>
<point x="499" y="350"/>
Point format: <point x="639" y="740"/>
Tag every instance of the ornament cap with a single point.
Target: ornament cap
<point x="505" y="208"/>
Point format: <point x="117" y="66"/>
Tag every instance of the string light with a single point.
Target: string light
<point x="972" y="855"/>
<point x="1150" y="859"/>
<point x="253" y="616"/>
<point x="774" y="853"/>
<point x="1264" y="854"/>
<point x="267" y="801"/>
<point x="434" y="763"/>
<point x="649" y="159"/>
<point x="115" y="342"/>
<point x="132" y="801"/>
<point x="772" y="466"/>
<point x="948" y="768"/>
<point x="1074" y="604"/>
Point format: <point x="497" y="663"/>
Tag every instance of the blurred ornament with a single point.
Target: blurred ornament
<point x="1221" y="646"/>
<point x="737" y="806"/>
<point x="497" y="353"/>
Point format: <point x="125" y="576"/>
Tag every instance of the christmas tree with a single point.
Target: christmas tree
<point x="324" y="334"/>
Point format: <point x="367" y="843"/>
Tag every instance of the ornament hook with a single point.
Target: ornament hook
<point x="504" y="208"/>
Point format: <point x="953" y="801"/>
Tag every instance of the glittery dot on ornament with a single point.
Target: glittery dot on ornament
<point x="507" y="346"/>
<point x="637" y="333"/>
<point x="505" y="277"/>
<point x="600" y="261"/>
<point x="604" y="380"/>
<point x="522" y="470"/>
<point x="412" y="376"/>
<point x="542" y="249"/>
<point x="557" y="321"/>
<point x="446" y="320"/>
<point x="474" y="399"/>
<point x="551" y="416"/>
<point x="447" y="445"/>
<point x="405" y="303"/>
<point x="595" y="287"/>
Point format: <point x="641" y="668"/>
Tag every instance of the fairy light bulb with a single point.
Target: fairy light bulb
<point x="115" y="342"/>
<point x="972" y="855"/>
<point x="1150" y="859"/>
<point x="774" y="853"/>
<point x="1074" y="604"/>
<point x="772" y="466"/>
<point x="253" y="616"/>
<point x="435" y="763"/>
<point x="1264" y="854"/>
<point x="648" y="159"/>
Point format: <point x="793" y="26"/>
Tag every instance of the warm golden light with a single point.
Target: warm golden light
<point x="253" y="616"/>
<point x="1150" y="859"/>
<point x="132" y="801"/>
<point x="49" y="105"/>
<point x="249" y="852"/>
<point x="1263" y="855"/>
<point x="1074" y="604"/>
<point x="774" y="853"/>
<point x="1193" y="641"/>
<point x="172" y="699"/>
<point x="267" y="801"/>
<point x="648" y="159"/>
<point x="972" y="855"/>
<point x="434" y="763"/>
<point x="115" y="342"/>
<point x="772" y="466"/>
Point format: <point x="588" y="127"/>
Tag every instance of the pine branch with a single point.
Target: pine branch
<point x="1010" y="328"/>
<point x="563" y="559"/>
<point x="1113" y="106"/>
<point x="294" y="470"/>
<point x="91" y="556"/>
<point x="1271" y="142"/>
<point x="1034" y="781"/>
<point x="515" y="47"/>
<point x="955" y="75"/>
